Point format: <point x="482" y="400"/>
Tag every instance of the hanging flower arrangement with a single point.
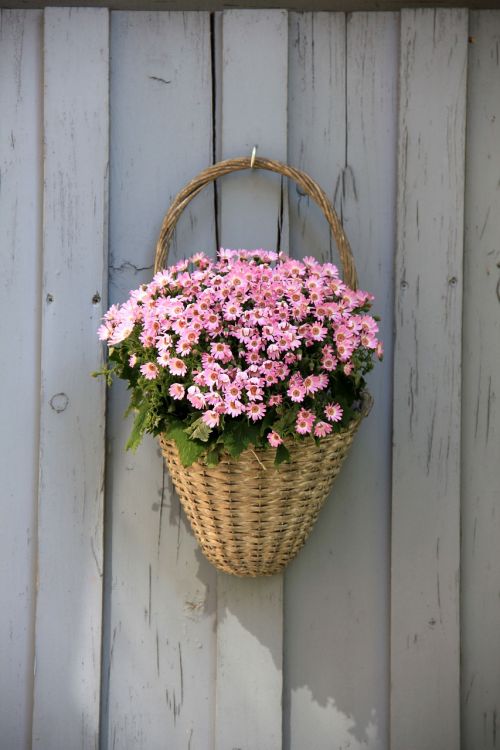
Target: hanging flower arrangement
<point x="250" y="368"/>
<point x="254" y="348"/>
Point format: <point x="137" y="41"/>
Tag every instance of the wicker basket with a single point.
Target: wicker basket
<point x="249" y="517"/>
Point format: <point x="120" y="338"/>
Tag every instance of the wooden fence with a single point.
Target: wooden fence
<point x="115" y="632"/>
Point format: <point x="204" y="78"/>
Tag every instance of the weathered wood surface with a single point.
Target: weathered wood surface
<point x="425" y="647"/>
<point x="342" y="114"/>
<point x="192" y="659"/>
<point x="348" y="6"/>
<point x="481" y="393"/>
<point x="69" y="601"/>
<point x="20" y="241"/>
<point x="249" y="612"/>
<point x="159" y="638"/>
<point x="316" y="123"/>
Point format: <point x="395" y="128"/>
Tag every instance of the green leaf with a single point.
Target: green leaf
<point x="138" y="427"/>
<point x="213" y="456"/>
<point x="282" y="454"/>
<point x="189" y="450"/>
<point x="199" y="431"/>
<point x="238" y="435"/>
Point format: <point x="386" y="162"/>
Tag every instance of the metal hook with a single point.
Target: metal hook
<point x="252" y="158"/>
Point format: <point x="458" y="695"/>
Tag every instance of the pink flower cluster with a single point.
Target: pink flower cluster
<point x="249" y="334"/>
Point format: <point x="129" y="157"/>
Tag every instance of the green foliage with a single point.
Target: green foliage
<point x="282" y="455"/>
<point x="190" y="450"/>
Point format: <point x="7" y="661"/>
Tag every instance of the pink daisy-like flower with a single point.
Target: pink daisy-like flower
<point x="274" y="439"/>
<point x="132" y="360"/>
<point x="256" y="411"/>
<point x="322" y="428"/>
<point x="149" y="370"/>
<point x="196" y="397"/>
<point x="211" y="418"/>
<point x="234" y="407"/>
<point x="275" y="400"/>
<point x="221" y="351"/>
<point x="177" y="391"/>
<point x="163" y="359"/>
<point x="177" y="366"/>
<point x="333" y="412"/>
<point x="254" y="389"/>
<point x="329" y="362"/>
<point x="304" y="422"/>
<point x="296" y="393"/>
<point x="104" y="331"/>
<point x="302" y="426"/>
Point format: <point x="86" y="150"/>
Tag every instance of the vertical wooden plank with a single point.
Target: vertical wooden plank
<point x="481" y="391"/>
<point x="425" y="650"/>
<point x="20" y="239"/>
<point x="316" y="124"/>
<point x="68" y="611"/>
<point x="343" y="89"/>
<point x="159" y="648"/>
<point x="249" y="612"/>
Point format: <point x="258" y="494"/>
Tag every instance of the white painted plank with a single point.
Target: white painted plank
<point x="336" y="630"/>
<point x="159" y="647"/>
<point x="20" y="240"/>
<point x="425" y="649"/>
<point x="316" y="124"/>
<point x="253" y="89"/>
<point x="249" y="612"/>
<point x="481" y="392"/>
<point x="69" y="601"/>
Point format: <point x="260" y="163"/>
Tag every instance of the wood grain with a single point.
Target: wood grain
<point x="342" y="113"/>
<point x="69" y="601"/>
<point x="159" y="637"/>
<point x="348" y="6"/>
<point x="249" y="612"/>
<point x="425" y="649"/>
<point x="481" y="392"/>
<point x="20" y="309"/>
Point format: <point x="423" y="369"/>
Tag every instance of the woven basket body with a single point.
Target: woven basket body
<point x="249" y="517"/>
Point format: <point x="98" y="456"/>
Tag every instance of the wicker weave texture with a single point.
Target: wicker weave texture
<point x="308" y="185"/>
<point x="249" y="517"/>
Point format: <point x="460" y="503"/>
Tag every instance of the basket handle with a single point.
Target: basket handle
<point x="309" y="186"/>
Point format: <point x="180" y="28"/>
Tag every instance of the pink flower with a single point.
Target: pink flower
<point x="149" y="370"/>
<point x="163" y="359"/>
<point x="211" y="418"/>
<point x="196" y="397"/>
<point x="274" y="439"/>
<point x="104" y="331"/>
<point x="234" y="407"/>
<point x="302" y="427"/>
<point x="254" y="389"/>
<point x="333" y="412"/>
<point x="304" y="422"/>
<point x="221" y="351"/>
<point x="177" y="391"/>
<point x="296" y="393"/>
<point x="177" y="366"/>
<point x="132" y="360"/>
<point x="318" y="332"/>
<point x="322" y="428"/>
<point x="256" y="411"/>
<point x="275" y="400"/>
